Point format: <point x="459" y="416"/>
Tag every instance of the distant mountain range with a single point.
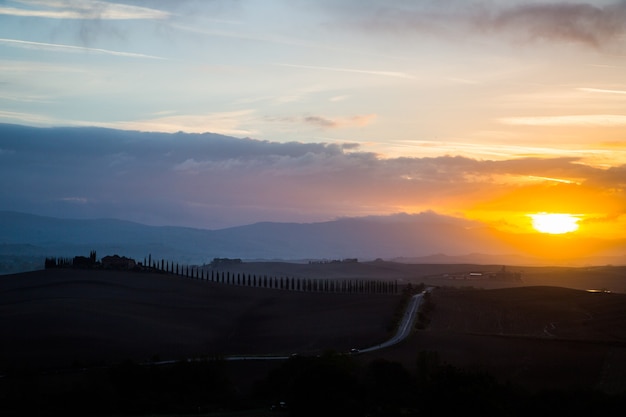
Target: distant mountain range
<point x="423" y="238"/>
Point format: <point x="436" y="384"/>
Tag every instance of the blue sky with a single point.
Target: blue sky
<point x="399" y="77"/>
<point x="412" y="84"/>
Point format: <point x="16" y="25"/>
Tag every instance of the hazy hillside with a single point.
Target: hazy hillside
<point x="365" y="238"/>
<point x="426" y="238"/>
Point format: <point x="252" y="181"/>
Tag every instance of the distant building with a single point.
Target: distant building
<point x="225" y="262"/>
<point x="118" y="262"/>
<point x="85" y="262"/>
<point x="504" y="275"/>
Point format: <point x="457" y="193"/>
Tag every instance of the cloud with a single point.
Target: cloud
<point x="601" y="90"/>
<point x="582" y="23"/>
<point x="326" y="123"/>
<point x="339" y="98"/>
<point x="28" y="118"/>
<point x="320" y="121"/>
<point x="589" y="120"/>
<point x="87" y="20"/>
<point x="83" y="9"/>
<point x="394" y="74"/>
<point x="25" y="98"/>
<point x="227" y="123"/>
<point x="71" y="48"/>
<point x="249" y="36"/>
<point x="197" y="179"/>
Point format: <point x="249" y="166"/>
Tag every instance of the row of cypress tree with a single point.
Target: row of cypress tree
<point x="282" y="283"/>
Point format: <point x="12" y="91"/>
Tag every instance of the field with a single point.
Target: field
<point x="534" y="332"/>
<point x="612" y="278"/>
<point x="62" y="316"/>
<point x="539" y="337"/>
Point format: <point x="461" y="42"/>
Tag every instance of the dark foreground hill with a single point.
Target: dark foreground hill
<point x="541" y="337"/>
<point x="509" y="351"/>
<point x="64" y="316"/>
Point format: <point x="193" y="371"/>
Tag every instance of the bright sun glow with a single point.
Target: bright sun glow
<point x="554" y="223"/>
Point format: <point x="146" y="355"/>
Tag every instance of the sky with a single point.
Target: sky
<point x="487" y="111"/>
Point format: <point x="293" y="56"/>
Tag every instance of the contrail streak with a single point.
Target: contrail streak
<point x="71" y="48"/>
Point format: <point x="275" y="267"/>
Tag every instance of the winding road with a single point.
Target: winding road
<point x="404" y="330"/>
<point x="406" y="325"/>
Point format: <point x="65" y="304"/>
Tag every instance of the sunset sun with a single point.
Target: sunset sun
<point x="554" y="223"/>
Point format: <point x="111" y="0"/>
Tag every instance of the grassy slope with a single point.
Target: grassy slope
<point x="610" y="277"/>
<point x="61" y="316"/>
<point x="540" y="336"/>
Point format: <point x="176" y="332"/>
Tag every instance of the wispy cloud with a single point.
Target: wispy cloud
<point x="601" y="90"/>
<point x="395" y="74"/>
<point x="558" y="180"/>
<point x="25" y="98"/>
<point x="339" y="98"/>
<point x="82" y="9"/>
<point x="28" y="118"/>
<point x="226" y="123"/>
<point x="71" y="48"/>
<point x="606" y="120"/>
<point x="324" y="122"/>
<point x="250" y="36"/>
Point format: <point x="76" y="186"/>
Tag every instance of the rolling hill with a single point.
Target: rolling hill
<point x="423" y="238"/>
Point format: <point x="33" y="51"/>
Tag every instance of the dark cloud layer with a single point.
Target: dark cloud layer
<point x="209" y="180"/>
<point x="584" y="23"/>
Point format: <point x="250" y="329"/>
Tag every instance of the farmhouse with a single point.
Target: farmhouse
<point x="118" y="262"/>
